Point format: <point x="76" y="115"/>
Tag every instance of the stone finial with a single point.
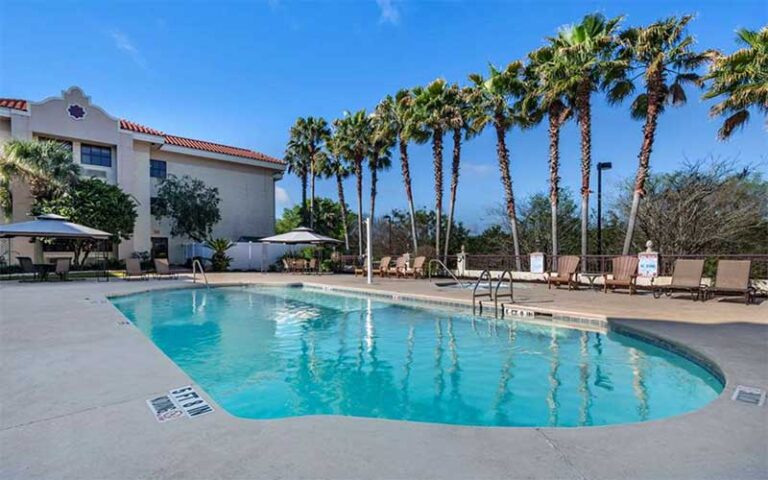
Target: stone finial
<point x="649" y="246"/>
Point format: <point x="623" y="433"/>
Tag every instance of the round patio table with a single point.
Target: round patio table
<point x="591" y="277"/>
<point x="43" y="269"/>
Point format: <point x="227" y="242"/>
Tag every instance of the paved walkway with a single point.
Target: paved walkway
<point x="75" y="376"/>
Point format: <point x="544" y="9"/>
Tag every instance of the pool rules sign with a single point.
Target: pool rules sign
<point x="179" y="402"/>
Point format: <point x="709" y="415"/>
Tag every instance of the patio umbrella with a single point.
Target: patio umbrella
<point x="300" y="235"/>
<point x="51" y="226"/>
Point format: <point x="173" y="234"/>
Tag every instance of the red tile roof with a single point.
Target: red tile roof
<point x="13" y="103"/>
<point x="169" y="139"/>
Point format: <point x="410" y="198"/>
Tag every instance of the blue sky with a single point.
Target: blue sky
<point x="241" y="72"/>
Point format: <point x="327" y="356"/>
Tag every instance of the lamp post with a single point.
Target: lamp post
<point x="389" y="226"/>
<point x="600" y="167"/>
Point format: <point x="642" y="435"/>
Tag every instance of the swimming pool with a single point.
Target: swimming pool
<point x="272" y="352"/>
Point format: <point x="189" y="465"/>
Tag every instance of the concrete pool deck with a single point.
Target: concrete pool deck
<point x="75" y="378"/>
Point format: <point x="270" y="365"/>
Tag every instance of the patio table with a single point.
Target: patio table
<point x="591" y="277"/>
<point x="43" y="269"/>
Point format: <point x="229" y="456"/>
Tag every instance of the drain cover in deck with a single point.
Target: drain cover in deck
<point x="750" y="395"/>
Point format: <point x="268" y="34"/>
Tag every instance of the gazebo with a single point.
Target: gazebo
<point x="301" y="236"/>
<point x="50" y="226"/>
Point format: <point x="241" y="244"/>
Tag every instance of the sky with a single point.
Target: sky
<point x="240" y="73"/>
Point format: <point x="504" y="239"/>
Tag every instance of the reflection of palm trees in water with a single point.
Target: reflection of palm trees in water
<point x="637" y="360"/>
<point x="601" y="380"/>
<point x="407" y="366"/>
<point x="503" y="394"/>
<point x="455" y="371"/>
<point x="439" y="380"/>
<point x="585" y="414"/>
<point x="554" y="380"/>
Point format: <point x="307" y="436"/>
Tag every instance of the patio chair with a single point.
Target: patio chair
<point x="133" y="270"/>
<point x="287" y="266"/>
<point x="312" y="266"/>
<point x="62" y="268"/>
<point x="383" y="266"/>
<point x="163" y="270"/>
<point x="686" y="277"/>
<point x="400" y="266"/>
<point x="417" y="270"/>
<point x="360" y="268"/>
<point x="566" y="272"/>
<point x="732" y="278"/>
<point x="27" y="266"/>
<point x="624" y="274"/>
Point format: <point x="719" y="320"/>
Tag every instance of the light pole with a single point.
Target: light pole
<point x="600" y="167"/>
<point x="389" y="226"/>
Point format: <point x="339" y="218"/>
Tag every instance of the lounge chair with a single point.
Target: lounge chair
<point x="686" y="277"/>
<point x="383" y="266"/>
<point x="624" y="274"/>
<point x="417" y="270"/>
<point x="163" y="270"/>
<point x="133" y="270"/>
<point x="566" y="272"/>
<point x="400" y="266"/>
<point x="732" y="278"/>
<point x="62" y="268"/>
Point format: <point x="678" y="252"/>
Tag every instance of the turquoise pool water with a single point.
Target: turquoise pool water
<point x="267" y="352"/>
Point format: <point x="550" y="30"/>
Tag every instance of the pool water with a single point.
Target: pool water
<point x="272" y="352"/>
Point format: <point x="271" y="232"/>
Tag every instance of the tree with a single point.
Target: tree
<point x="583" y="59"/>
<point x="335" y="167"/>
<point x="355" y="132"/>
<point x="431" y="105"/>
<point x="383" y="139"/>
<point x="659" y="52"/>
<point x="742" y="79"/>
<point x="398" y="112"/>
<point x="96" y="204"/>
<point x="330" y="218"/>
<point x="548" y="91"/>
<point x="298" y="164"/>
<point x="190" y="205"/>
<point x="45" y="166"/>
<point x="459" y="122"/>
<point x="309" y="135"/>
<point x="491" y="98"/>
<point x="220" y="261"/>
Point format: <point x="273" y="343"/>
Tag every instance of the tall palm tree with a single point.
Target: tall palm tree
<point x="380" y="155"/>
<point x="459" y="122"/>
<point x="742" y="79"/>
<point x="312" y="133"/>
<point x="548" y="90"/>
<point x="354" y="132"/>
<point x="432" y="111"/>
<point x="585" y="57"/>
<point x="662" y="54"/>
<point x="491" y="99"/>
<point x="298" y="164"/>
<point x="45" y="166"/>
<point x="398" y="111"/>
<point x="335" y="167"/>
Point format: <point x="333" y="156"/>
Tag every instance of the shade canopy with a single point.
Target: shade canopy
<point x="52" y="226"/>
<point x="300" y="235"/>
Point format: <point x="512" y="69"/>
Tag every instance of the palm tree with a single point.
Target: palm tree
<point x="662" y="53"/>
<point x="549" y="91"/>
<point x="45" y="166"/>
<point x="459" y="122"/>
<point x="354" y="132"/>
<point x="312" y="133"/>
<point x="298" y="164"/>
<point x="432" y="110"/>
<point x="584" y="54"/>
<point x="398" y="112"/>
<point x="335" y="167"/>
<point x="491" y="99"/>
<point x="742" y="78"/>
<point x="379" y="157"/>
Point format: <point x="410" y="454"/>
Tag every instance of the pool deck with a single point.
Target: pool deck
<point x="75" y="378"/>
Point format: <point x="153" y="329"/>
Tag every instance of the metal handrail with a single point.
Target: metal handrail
<point x="485" y="274"/>
<point x="497" y="294"/>
<point x="429" y="269"/>
<point x="196" y="263"/>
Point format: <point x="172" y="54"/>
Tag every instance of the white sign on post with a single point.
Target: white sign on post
<point x="537" y="262"/>
<point x="648" y="264"/>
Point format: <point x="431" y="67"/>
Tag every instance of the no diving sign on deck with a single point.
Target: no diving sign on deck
<point x="178" y="402"/>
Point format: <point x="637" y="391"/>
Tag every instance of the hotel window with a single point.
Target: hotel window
<point x="64" y="143"/>
<point x="95" y="155"/>
<point x="157" y="169"/>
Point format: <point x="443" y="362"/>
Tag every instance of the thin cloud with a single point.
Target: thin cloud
<point x="282" y="198"/>
<point x="389" y="12"/>
<point x="125" y="45"/>
<point x="479" y="168"/>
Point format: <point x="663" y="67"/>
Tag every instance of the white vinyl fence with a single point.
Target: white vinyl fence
<point x="246" y="255"/>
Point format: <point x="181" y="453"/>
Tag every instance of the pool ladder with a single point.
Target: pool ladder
<point x="493" y="294"/>
<point x="198" y="265"/>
